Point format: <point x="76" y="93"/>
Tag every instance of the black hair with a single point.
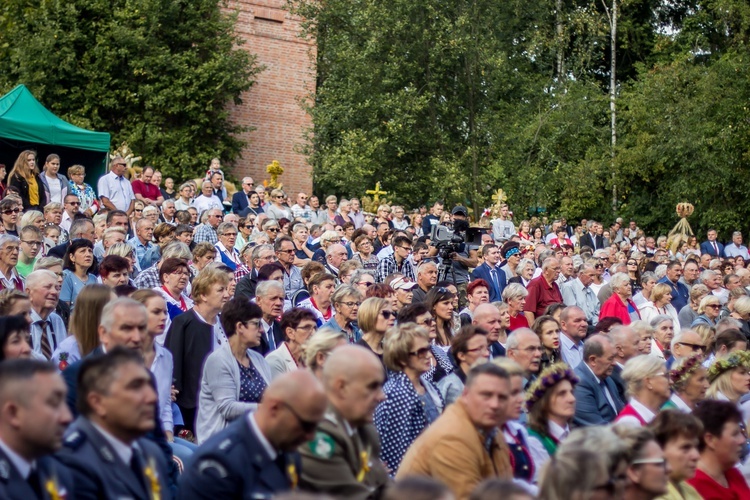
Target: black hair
<point x="98" y="372"/>
<point x="8" y="326"/>
<point x="238" y="311"/>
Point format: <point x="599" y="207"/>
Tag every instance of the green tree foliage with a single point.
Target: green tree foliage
<point x="453" y="99"/>
<point x="158" y="74"/>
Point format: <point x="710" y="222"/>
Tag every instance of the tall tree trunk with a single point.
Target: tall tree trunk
<point x="559" y="34"/>
<point x="612" y="15"/>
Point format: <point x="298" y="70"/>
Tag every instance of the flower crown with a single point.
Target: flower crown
<point x="723" y="365"/>
<point x="682" y="373"/>
<point x="550" y="377"/>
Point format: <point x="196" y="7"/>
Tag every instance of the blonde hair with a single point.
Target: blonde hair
<point x="640" y="368"/>
<point x="510" y="366"/>
<point x="208" y="277"/>
<point x="706" y="301"/>
<point x="367" y="315"/>
<point x="322" y="342"/>
<point x="399" y="341"/>
<point x="29" y="217"/>
<point x="659" y="291"/>
<point x="723" y="384"/>
<point x="77" y="169"/>
<point x="121" y="250"/>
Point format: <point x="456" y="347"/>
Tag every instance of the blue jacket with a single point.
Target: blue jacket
<point x="483" y="272"/>
<point x="12" y="485"/>
<point x="239" y="203"/>
<point x="707" y="247"/>
<point x="400" y="418"/>
<point x="592" y="407"/>
<point x="98" y="472"/>
<point x="234" y="465"/>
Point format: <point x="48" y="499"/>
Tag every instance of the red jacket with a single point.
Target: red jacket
<point x="615" y="307"/>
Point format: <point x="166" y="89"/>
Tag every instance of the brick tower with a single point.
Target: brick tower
<point x="272" y="106"/>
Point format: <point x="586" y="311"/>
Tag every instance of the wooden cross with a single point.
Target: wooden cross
<point x="376" y="193"/>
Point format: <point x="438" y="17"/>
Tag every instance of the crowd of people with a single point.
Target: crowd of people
<point x="178" y="342"/>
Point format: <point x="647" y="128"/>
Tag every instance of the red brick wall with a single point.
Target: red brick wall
<point x="272" y="106"/>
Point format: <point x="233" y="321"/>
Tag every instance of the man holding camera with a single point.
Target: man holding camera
<point x="463" y="258"/>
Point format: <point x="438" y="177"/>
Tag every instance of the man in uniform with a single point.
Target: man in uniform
<point x="343" y="459"/>
<point x="104" y="447"/>
<point x="254" y="457"/>
<point x="33" y="417"/>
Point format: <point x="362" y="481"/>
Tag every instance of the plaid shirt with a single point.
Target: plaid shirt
<point x="241" y="271"/>
<point x="204" y="232"/>
<point x="148" y="278"/>
<point x="388" y="266"/>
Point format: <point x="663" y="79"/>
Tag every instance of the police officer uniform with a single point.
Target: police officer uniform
<point x="41" y="479"/>
<point x="239" y="463"/>
<point x="100" y="470"/>
<point x="344" y="461"/>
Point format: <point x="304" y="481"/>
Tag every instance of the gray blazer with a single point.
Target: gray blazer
<point x="220" y="391"/>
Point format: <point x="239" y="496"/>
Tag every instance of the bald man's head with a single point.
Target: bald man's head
<point x="291" y="408"/>
<point x="353" y="378"/>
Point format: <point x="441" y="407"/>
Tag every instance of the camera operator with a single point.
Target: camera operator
<point x="463" y="256"/>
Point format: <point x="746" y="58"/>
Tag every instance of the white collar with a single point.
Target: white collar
<point x="348" y="428"/>
<point x="680" y="404"/>
<point x="124" y="451"/>
<point x="556" y="431"/>
<point x="592" y="372"/>
<point x="266" y="326"/>
<point x="721" y="397"/>
<point x="22" y="465"/>
<point x="641" y="409"/>
<point x="263" y="441"/>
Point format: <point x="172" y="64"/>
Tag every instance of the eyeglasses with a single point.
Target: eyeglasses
<point x="307" y="328"/>
<point x="387" y="314"/>
<point x="74" y="203"/>
<point x="290" y="252"/>
<point x="426" y="322"/>
<point x="714" y="306"/>
<point x="351" y="303"/>
<point x="33" y="243"/>
<point x="273" y="229"/>
<point x="598" y="266"/>
<point x="366" y="283"/>
<point x="420" y="353"/>
<point x="11" y="211"/>
<point x="650" y="461"/>
<point x="229" y="234"/>
<point x="484" y="348"/>
<point x="694" y="347"/>
<point x="408" y="249"/>
<point x="253" y="322"/>
<point x="307" y="425"/>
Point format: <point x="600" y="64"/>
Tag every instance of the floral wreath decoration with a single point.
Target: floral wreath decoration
<point x="551" y="376"/>
<point x="681" y="374"/>
<point x="723" y="365"/>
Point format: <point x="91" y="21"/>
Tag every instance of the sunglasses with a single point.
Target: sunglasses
<point x="427" y="322"/>
<point x="274" y="229"/>
<point x="11" y="211"/>
<point x="387" y="314"/>
<point x="694" y="347"/>
<point x="420" y="353"/>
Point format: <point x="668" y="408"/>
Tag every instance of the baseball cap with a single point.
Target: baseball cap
<point x="400" y="283"/>
<point x="460" y="209"/>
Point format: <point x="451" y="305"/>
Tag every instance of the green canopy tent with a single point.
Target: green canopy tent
<point x="26" y="124"/>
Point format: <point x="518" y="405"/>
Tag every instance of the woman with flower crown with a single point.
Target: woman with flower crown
<point x="689" y="384"/>
<point x="648" y="386"/>
<point x="551" y="405"/>
<point x="730" y="380"/>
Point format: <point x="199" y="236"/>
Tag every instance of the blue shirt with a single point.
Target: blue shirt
<point x="72" y="286"/>
<point x="680" y="293"/>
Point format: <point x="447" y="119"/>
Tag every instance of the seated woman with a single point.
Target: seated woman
<point x="478" y="292"/>
<point x="319" y="347"/>
<point x="689" y="384"/>
<point x="648" y="385"/>
<point x="646" y="469"/>
<point x="76" y="263"/>
<point x="689" y="312"/>
<point x="226" y="251"/>
<point x="114" y="271"/>
<point x="660" y="303"/>
<point x="548" y="330"/>
<point x="551" y="405"/>
<point x="678" y="435"/>
<point x="346" y="301"/>
<point x="321" y="287"/>
<point x="440" y="363"/>
<point x="708" y="311"/>
<point x="297" y="325"/>
<point x="234" y="376"/>
<point x="515" y="296"/>
<point x="15" y="338"/>
<point x="439" y="300"/>
<point x="412" y="403"/>
<point x="469" y="346"/>
<point x="620" y="304"/>
<point x="663" y="334"/>
<point x="721" y="448"/>
<point x="83" y="329"/>
<point x="375" y="317"/>
<point x="174" y="275"/>
<point x="194" y="335"/>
